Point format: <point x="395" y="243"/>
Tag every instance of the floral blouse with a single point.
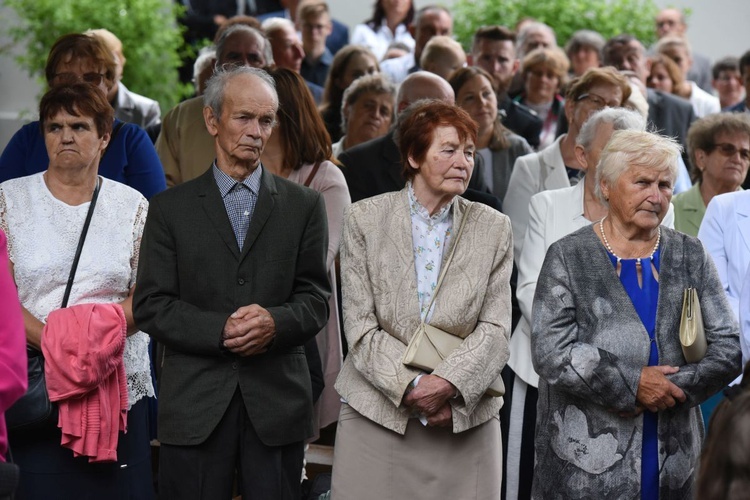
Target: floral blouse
<point x="430" y="236"/>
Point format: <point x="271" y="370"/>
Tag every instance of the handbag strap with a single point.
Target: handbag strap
<point x="449" y="259"/>
<point x="312" y="174"/>
<point x="80" y="244"/>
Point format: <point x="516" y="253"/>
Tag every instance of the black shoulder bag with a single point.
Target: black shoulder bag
<point x="34" y="410"/>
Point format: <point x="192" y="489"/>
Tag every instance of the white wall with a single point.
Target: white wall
<point x="717" y="28"/>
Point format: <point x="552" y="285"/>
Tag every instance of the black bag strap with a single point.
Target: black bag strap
<point x="80" y="244"/>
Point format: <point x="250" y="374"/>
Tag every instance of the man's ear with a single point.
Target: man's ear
<point x="516" y="66"/>
<point x="470" y="59"/>
<point x="211" y="121"/>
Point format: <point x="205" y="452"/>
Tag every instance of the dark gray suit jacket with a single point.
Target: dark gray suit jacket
<point x="374" y="168"/>
<point x="671" y="115"/>
<point x="192" y="276"/>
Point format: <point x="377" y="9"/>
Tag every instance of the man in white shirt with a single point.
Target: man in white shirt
<point x="430" y="21"/>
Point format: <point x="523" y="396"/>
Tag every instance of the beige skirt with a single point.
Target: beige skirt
<point x="430" y="463"/>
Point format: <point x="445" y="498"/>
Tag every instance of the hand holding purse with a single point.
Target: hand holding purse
<point x="429" y="345"/>
<point x="692" y="333"/>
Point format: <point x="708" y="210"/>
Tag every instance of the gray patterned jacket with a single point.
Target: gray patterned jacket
<point x="589" y="345"/>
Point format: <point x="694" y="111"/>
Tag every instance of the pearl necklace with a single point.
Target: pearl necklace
<point x="637" y="260"/>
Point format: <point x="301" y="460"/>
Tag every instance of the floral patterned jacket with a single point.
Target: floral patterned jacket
<point x="589" y="346"/>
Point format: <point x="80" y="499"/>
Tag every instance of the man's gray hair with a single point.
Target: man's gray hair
<point x="619" y="118"/>
<point x="273" y="24"/>
<point x="429" y="8"/>
<point x="214" y="95"/>
<point x="585" y="38"/>
<point x="242" y="28"/>
<point x="532" y="27"/>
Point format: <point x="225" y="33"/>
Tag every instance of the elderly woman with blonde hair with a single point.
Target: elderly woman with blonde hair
<point x="617" y="413"/>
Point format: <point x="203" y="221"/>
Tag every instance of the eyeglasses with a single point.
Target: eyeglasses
<point x="314" y="27"/>
<point x="598" y="101"/>
<point x="92" y="78"/>
<point x="729" y="150"/>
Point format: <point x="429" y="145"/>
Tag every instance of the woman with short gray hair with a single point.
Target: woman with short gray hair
<point x="367" y="111"/>
<point x="617" y="412"/>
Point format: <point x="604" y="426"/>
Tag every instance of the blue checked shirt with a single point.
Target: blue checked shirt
<point x="239" y="199"/>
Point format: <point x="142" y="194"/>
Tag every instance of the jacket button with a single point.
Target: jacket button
<point x="234" y="366"/>
<point x="241" y="281"/>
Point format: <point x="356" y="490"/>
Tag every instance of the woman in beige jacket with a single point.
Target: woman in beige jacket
<point x="404" y="433"/>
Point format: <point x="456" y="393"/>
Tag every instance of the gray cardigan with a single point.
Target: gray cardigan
<point x="589" y="346"/>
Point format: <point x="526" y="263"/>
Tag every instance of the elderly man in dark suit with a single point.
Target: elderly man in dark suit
<point x="232" y="279"/>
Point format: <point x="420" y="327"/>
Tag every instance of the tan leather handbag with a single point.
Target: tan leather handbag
<point x="429" y="345"/>
<point x="692" y="334"/>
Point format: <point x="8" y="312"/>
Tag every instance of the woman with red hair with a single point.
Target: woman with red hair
<point x="403" y="430"/>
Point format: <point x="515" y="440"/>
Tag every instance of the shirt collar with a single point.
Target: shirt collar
<point x="226" y="182"/>
<point x="416" y="208"/>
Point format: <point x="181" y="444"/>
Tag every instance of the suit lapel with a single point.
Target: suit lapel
<point x="743" y="221"/>
<point x="214" y="208"/>
<point x="125" y="105"/>
<point x="263" y="209"/>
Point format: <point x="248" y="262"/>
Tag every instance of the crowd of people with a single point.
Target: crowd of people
<point x="473" y="266"/>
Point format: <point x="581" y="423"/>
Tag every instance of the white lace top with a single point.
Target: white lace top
<point x="43" y="235"/>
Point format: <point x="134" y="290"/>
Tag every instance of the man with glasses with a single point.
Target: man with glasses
<point x="185" y="147"/>
<point x="337" y="39"/>
<point x="557" y="165"/>
<point x="429" y="21"/>
<point x="314" y="22"/>
<point x="727" y="82"/>
<point x="671" y="22"/>
<point x="744" y="106"/>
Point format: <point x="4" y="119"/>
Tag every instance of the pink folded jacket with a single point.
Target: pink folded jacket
<point x="85" y="375"/>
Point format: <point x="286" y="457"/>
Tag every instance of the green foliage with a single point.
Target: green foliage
<point x="151" y="39"/>
<point x="609" y="18"/>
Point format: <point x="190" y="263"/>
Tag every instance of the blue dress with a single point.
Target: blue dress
<point x="645" y="299"/>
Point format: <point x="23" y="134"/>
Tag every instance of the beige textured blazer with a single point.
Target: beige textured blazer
<point x="381" y="309"/>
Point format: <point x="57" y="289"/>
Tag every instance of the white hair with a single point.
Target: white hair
<point x="635" y="147"/>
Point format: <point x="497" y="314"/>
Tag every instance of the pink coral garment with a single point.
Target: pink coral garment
<point x="13" y="363"/>
<point x="83" y="347"/>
